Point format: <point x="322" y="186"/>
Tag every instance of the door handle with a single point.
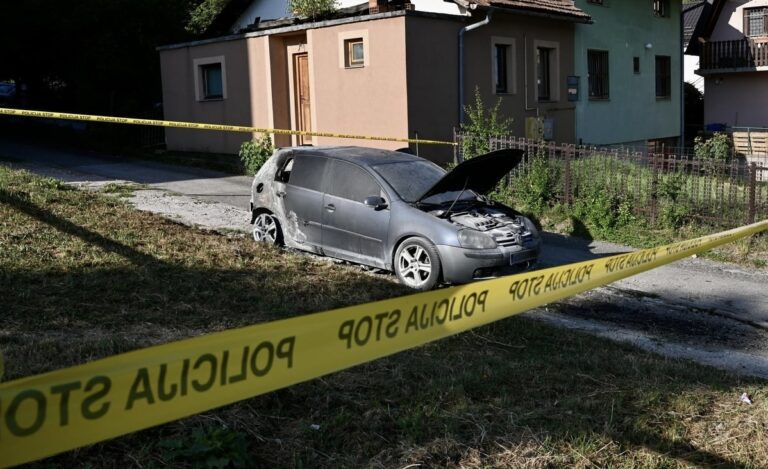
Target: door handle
<point x="280" y="194"/>
<point x="330" y="207"/>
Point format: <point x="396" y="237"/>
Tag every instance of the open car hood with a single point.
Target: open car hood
<point x="479" y="174"/>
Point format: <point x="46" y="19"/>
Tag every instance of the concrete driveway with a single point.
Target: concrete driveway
<point x="707" y="311"/>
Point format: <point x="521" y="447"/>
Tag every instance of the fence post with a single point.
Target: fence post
<point x="751" y="211"/>
<point x="654" y="188"/>
<point x="456" y="147"/>
<point x="568" y="189"/>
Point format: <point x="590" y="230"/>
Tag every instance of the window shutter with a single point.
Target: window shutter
<point x="745" y="18"/>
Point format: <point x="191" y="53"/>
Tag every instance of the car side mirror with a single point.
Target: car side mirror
<point x="375" y="202"/>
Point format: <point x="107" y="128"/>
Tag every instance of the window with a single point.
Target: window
<point x="210" y="78"/>
<point x="351" y="182"/>
<point x="756" y="22"/>
<point x="354" y="49"/>
<point x="636" y="65"/>
<point x="213" y="82"/>
<point x="306" y="171"/>
<point x="661" y="8"/>
<point x="663" y="76"/>
<point x="355" y="53"/>
<point x="501" y="68"/>
<point x="597" y="62"/>
<point x="544" y="73"/>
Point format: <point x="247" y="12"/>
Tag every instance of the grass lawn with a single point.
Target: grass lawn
<point x="84" y="276"/>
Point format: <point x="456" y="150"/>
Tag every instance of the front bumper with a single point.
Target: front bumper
<point x="462" y="265"/>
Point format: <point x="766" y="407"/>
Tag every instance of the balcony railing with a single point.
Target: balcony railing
<point x="743" y="53"/>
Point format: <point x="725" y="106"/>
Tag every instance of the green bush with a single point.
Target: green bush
<point x="717" y="147"/>
<point x="536" y="188"/>
<point x="254" y="154"/>
<point x="481" y="125"/>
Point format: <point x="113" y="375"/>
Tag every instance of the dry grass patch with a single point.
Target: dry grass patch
<point x="83" y="276"/>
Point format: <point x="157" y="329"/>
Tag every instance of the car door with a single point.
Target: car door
<point x="303" y="198"/>
<point x="351" y="229"/>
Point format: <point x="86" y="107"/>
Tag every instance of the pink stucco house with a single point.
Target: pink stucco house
<point x="731" y="39"/>
<point x="383" y="68"/>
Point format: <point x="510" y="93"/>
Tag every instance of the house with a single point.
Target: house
<point x="731" y="40"/>
<point x="628" y="73"/>
<point x="691" y="14"/>
<point x="380" y="68"/>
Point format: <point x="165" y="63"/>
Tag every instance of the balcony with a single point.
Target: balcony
<point x="733" y="56"/>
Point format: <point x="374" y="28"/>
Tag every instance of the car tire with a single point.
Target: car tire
<point x="417" y="264"/>
<point x="267" y="229"/>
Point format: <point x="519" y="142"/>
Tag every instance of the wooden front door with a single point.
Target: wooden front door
<point x="301" y="96"/>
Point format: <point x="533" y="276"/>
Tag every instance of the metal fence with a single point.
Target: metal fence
<point x="651" y="185"/>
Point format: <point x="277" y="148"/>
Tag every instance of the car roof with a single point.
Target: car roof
<point x="361" y="155"/>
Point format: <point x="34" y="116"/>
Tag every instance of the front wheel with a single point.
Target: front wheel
<point x="266" y="229"/>
<point x="417" y="264"/>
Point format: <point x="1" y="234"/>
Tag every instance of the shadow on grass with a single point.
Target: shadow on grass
<point x="473" y="390"/>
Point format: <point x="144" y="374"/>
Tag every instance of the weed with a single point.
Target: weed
<point x="209" y="448"/>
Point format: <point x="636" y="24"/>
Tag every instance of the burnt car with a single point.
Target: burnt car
<point x="394" y="211"/>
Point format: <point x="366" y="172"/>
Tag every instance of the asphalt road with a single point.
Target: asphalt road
<point x="707" y="311"/>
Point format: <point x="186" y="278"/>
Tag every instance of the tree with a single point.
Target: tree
<point x="94" y="56"/>
<point x="312" y="8"/>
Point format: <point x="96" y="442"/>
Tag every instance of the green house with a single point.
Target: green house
<point x="627" y="83"/>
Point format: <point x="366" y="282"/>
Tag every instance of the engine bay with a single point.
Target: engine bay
<point x="507" y="229"/>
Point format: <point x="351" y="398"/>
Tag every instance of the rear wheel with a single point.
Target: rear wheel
<point x="417" y="264"/>
<point x="266" y="229"/>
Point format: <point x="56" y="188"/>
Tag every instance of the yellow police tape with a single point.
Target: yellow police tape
<point x="61" y="410"/>
<point x="202" y="126"/>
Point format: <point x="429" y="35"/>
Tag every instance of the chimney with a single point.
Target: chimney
<point x="377" y="6"/>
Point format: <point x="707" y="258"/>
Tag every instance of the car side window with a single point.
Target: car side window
<point x="307" y="171"/>
<point x="284" y="173"/>
<point x="351" y="182"/>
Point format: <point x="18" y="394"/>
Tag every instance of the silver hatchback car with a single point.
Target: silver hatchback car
<point x="394" y="211"/>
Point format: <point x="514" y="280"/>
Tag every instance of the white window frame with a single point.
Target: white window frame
<point x="343" y="38"/>
<point x="511" y="64"/>
<point x="197" y="70"/>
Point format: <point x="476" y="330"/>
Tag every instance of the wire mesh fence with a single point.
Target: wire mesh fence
<point x="653" y="185"/>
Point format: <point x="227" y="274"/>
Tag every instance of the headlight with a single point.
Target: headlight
<point x="530" y="227"/>
<point x="473" y="239"/>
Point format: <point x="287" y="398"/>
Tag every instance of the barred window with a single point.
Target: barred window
<point x="756" y="22"/>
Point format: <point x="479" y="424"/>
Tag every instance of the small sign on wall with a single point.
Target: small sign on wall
<point x="572" y="84"/>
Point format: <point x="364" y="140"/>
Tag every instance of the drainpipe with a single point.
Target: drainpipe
<point x="466" y="29"/>
<point x="682" y="82"/>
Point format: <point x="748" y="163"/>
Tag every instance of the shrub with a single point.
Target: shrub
<point x="253" y="154"/>
<point x="717" y="147"/>
<point x="537" y="186"/>
<point x="481" y="125"/>
<point x="713" y="152"/>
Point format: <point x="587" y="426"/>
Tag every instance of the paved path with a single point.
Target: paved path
<point x="711" y="312"/>
<point x="78" y="165"/>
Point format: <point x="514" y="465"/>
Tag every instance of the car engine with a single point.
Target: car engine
<point x="506" y="229"/>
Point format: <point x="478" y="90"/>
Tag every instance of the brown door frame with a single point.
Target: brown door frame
<point x="301" y="96"/>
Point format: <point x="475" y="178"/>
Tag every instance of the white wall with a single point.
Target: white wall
<point x="691" y="63"/>
<point x="729" y="26"/>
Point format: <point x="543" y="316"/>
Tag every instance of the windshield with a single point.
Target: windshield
<point x="411" y="179"/>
